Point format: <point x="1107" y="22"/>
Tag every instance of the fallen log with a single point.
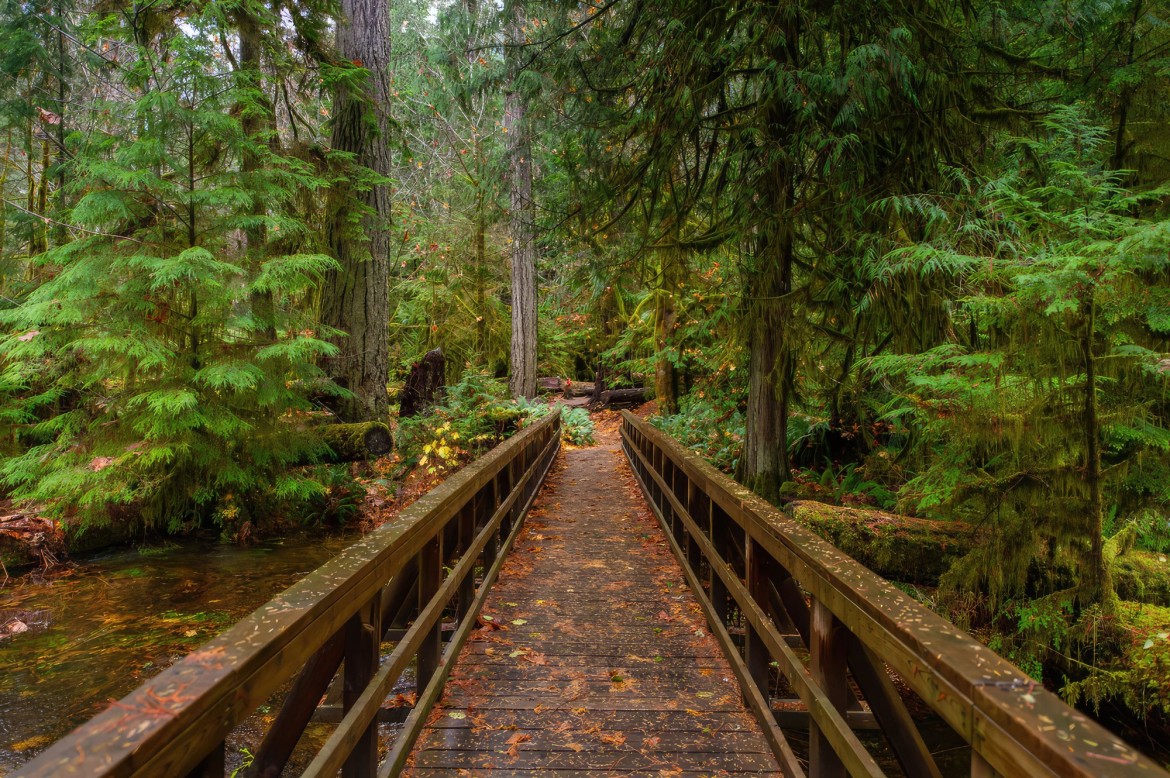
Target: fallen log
<point x="552" y="384"/>
<point x="623" y="398"/>
<point x="354" y="442"/>
<point x="900" y="548"/>
<point x="577" y="389"/>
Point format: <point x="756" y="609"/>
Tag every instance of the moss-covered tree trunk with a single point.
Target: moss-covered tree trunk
<point x="356" y="297"/>
<point x="665" y="317"/>
<point x="764" y="463"/>
<point x="1096" y="583"/>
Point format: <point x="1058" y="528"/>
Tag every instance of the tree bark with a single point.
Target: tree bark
<point x="1096" y="582"/>
<point x="764" y="463"/>
<point x="522" y="382"/>
<point x="665" y="316"/>
<point x="356" y="296"/>
<point x="253" y="122"/>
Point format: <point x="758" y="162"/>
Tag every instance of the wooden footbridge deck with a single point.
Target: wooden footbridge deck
<point x="667" y="637"/>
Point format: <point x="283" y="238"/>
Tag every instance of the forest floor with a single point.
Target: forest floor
<point x="592" y="652"/>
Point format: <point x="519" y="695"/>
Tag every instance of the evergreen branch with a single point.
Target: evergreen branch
<point x="48" y="220"/>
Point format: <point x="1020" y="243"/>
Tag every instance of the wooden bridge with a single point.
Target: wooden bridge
<point x="720" y="639"/>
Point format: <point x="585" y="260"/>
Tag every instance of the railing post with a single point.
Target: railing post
<point x="430" y="577"/>
<point x="980" y="767"/>
<point x="755" y="652"/>
<point x="363" y="640"/>
<point x="718" y="588"/>
<point x="466" y="536"/>
<point x="488" y="510"/>
<point x="693" y="503"/>
<point x="827" y="651"/>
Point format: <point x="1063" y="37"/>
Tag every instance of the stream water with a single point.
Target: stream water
<point x="119" y="618"/>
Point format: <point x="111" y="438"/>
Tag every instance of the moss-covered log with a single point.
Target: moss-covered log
<point x="623" y="398"/>
<point x="1142" y="576"/>
<point x="353" y="442"/>
<point x="896" y="547"/>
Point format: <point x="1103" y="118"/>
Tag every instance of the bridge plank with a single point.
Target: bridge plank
<point x="594" y="655"/>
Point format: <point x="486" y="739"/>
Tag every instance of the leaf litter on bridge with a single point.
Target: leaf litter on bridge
<point x="591" y="653"/>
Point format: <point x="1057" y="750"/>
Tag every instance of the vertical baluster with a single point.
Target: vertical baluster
<point x="756" y="653"/>
<point x="693" y="503"/>
<point x="363" y="639"/>
<point x="718" y="588"/>
<point x="430" y="576"/>
<point x="828" y="653"/>
<point x="466" y="521"/>
<point x="488" y="510"/>
<point x="505" y="481"/>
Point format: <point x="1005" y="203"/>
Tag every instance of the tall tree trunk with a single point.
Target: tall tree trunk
<point x="356" y="297"/>
<point x="764" y="463"/>
<point x="1096" y="581"/>
<point x="522" y="381"/>
<point x="665" y="316"/>
<point x="255" y="120"/>
<point x="1125" y="95"/>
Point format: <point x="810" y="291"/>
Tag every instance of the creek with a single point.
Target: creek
<point x="114" y="620"/>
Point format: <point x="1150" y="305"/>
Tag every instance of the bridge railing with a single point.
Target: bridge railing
<point x="773" y="590"/>
<point x="440" y="556"/>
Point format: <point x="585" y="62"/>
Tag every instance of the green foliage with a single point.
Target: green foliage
<point x="577" y="427"/>
<point x="1058" y="359"/>
<point x="709" y="425"/>
<point x="140" y="369"/>
<point x="476" y="414"/>
<point x="1136" y="674"/>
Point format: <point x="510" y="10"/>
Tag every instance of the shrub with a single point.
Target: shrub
<point x="576" y="423"/>
<point x="711" y="428"/>
<point x="476" y="416"/>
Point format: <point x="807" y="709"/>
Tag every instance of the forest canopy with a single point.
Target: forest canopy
<point x="906" y="255"/>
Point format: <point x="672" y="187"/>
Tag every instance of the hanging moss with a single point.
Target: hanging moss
<point x="897" y="547"/>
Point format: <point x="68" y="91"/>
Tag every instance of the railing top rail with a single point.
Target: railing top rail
<point x="1008" y="718"/>
<point x="167" y="721"/>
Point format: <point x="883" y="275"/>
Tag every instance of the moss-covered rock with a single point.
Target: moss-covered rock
<point x="1142" y="576"/>
<point x="900" y="548"/>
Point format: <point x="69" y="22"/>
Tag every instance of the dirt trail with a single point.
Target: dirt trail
<point x="594" y="656"/>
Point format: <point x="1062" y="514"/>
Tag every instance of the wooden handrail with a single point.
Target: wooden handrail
<point x="175" y="724"/>
<point x="779" y="578"/>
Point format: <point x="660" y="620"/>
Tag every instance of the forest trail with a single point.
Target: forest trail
<point x="593" y="654"/>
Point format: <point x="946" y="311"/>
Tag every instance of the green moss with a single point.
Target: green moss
<point x="1138" y="672"/>
<point x="897" y="547"/>
<point x="1142" y="576"/>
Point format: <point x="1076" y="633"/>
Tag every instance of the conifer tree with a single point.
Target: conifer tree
<point x="139" y="370"/>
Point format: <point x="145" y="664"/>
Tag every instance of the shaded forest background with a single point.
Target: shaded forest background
<point x="905" y="256"/>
